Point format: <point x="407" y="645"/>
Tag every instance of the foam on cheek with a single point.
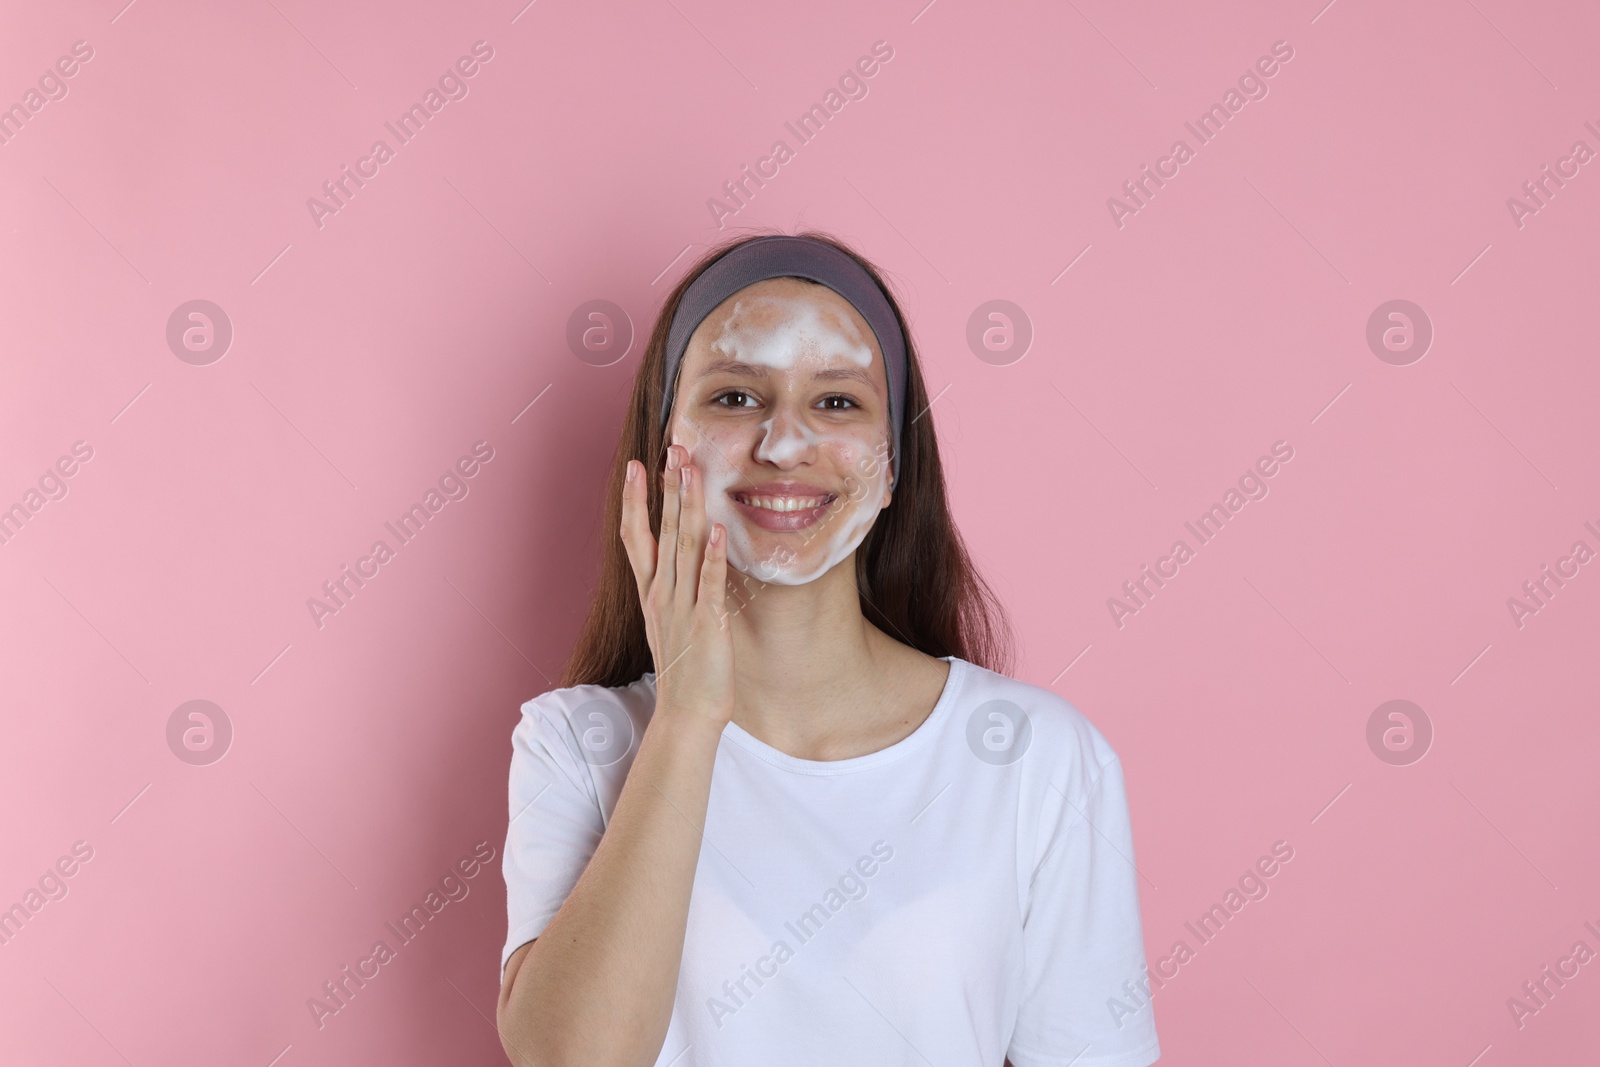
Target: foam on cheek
<point x="805" y="555"/>
<point x="842" y="528"/>
<point x="712" y="457"/>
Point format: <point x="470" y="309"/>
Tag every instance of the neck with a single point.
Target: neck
<point x="804" y="656"/>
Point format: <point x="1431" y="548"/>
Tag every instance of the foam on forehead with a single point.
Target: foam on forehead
<point x="777" y="331"/>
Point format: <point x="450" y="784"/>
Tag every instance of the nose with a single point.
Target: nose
<point x="786" y="440"/>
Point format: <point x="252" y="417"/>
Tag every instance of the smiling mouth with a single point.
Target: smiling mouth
<point x="783" y="513"/>
<point x="783" y="503"/>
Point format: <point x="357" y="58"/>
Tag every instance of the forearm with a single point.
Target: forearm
<point x="597" y="987"/>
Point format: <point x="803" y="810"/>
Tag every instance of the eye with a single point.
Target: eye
<point x="740" y="396"/>
<point x="829" y="402"/>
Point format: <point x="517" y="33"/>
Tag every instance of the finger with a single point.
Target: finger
<point x="714" y="574"/>
<point x="666" y="575"/>
<point x="636" y="538"/>
<point x="691" y="527"/>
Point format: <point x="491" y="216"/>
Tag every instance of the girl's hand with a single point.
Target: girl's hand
<point x="682" y="584"/>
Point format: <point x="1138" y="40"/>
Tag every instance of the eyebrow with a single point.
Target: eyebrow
<point x="740" y="368"/>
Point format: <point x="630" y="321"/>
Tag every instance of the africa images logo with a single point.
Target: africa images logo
<point x="1252" y="85"/>
<point x="850" y="886"/>
<point x="453" y="887"/>
<point x="852" y="85"/>
<point x="453" y="486"/>
<point x="452" y="85"/>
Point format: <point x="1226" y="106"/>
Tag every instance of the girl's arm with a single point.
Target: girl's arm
<point x="597" y="986"/>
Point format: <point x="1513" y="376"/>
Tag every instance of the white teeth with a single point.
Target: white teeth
<point x="783" y="503"/>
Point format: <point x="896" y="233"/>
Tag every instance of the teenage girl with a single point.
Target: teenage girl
<point x="787" y="808"/>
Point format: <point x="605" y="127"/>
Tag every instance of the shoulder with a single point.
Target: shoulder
<point x="1060" y="739"/>
<point x="561" y="703"/>
<point x="592" y="724"/>
<point x="1067" y="776"/>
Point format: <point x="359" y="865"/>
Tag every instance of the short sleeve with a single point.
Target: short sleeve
<point x="1084" y="999"/>
<point x="556" y="821"/>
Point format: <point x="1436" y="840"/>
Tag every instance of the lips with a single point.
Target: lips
<point x="783" y="507"/>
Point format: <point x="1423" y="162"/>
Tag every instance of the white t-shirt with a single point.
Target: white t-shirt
<point x="965" y="895"/>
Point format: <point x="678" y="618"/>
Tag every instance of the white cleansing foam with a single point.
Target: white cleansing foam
<point x="797" y="338"/>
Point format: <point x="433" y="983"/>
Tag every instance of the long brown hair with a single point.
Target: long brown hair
<point x="916" y="581"/>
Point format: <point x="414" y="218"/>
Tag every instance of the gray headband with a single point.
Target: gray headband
<point x="784" y="256"/>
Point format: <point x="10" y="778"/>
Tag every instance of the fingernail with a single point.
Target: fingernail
<point x="672" y="458"/>
<point x="716" y="533"/>
<point x="630" y="473"/>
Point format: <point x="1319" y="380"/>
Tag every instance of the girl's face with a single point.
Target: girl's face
<point x="782" y="402"/>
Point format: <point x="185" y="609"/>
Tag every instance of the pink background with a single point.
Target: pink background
<point x="369" y="354"/>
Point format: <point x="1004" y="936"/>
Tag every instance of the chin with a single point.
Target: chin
<point x="777" y="560"/>
<point x="799" y="572"/>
